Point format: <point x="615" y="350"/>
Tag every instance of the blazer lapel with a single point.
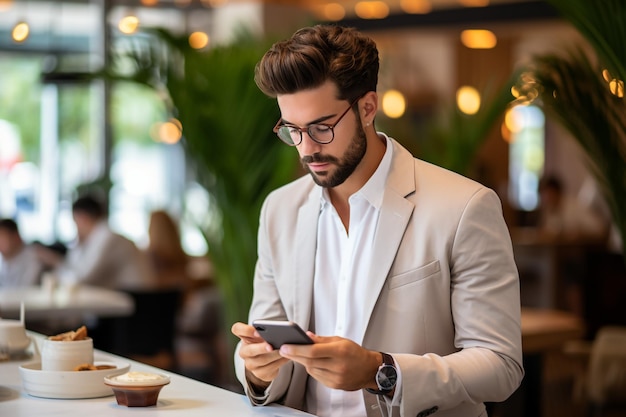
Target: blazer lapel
<point x="395" y="213"/>
<point x="394" y="216"/>
<point x="304" y="261"/>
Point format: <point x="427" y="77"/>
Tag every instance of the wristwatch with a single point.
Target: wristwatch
<point x="386" y="377"/>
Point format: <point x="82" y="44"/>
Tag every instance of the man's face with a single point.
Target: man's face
<point x="84" y="224"/>
<point x="5" y="243"/>
<point x="550" y="198"/>
<point x="8" y="243"/>
<point x="333" y="163"/>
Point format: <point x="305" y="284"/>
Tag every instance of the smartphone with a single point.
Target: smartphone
<point x="278" y="333"/>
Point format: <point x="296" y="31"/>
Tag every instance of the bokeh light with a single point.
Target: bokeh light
<point x="416" y="6"/>
<point x="331" y="11"/>
<point x="128" y="24"/>
<point x="371" y="9"/>
<point x="198" y="40"/>
<point x="617" y="88"/>
<point x="468" y="100"/>
<point x="394" y="104"/>
<point x="479" y="39"/>
<point x="169" y="132"/>
<point x="20" y="32"/>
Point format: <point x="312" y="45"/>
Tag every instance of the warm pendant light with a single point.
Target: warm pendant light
<point x="20" y="32"/>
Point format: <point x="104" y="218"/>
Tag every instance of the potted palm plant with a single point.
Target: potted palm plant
<point x="227" y="133"/>
<point x="585" y="93"/>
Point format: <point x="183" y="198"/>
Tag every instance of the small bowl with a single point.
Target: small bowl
<point x="137" y="389"/>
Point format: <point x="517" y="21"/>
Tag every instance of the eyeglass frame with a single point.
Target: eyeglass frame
<point x="306" y="128"/>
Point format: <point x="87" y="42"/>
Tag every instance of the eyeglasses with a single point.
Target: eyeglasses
<point x="322" y="133"/>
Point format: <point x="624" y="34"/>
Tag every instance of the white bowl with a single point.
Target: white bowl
<point x="69" y="384"/>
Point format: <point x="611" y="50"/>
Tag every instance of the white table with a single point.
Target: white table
<point x="64" y="302"/>
<point x="183" y="397"/>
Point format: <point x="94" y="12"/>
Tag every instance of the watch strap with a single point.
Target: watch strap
<point x="387" y="361"/>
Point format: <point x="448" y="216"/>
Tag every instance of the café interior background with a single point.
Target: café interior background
<point x="60" y="131"/>
<point x="54" y="137"/>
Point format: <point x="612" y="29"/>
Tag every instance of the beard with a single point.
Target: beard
<point x="344" y="166"/>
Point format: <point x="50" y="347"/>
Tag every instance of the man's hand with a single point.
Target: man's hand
<point x="336" y="362"/>
<point x="261" y="360"/>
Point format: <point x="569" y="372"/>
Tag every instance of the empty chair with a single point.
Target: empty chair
<point x="601" y="365"/>
<point x="606" y="377"/>
<point x="148" y="335"/>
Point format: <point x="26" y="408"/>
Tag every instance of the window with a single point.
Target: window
<point x="526" y="155"/>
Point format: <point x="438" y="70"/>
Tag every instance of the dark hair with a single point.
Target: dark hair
<point x="551" y="182"/>
<point x="57" y="246"/>
<point x="89" y="205"/>
<point x="9" y="225"/>
<point x="317" y="54"/>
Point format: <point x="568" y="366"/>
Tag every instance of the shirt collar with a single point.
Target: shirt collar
<point x="372" y="190"/>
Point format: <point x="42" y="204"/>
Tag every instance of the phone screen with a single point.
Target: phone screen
<point x="278" y="333"/>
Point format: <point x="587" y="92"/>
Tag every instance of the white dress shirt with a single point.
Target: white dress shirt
<point x="342" y="258"/>
<point x="22" y="270"/>
<point x="107" y="259"/>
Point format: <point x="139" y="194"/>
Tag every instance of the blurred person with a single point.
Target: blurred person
<point x="575" y="228"/>
<point x="402" y="272"/>
<point x="563" y="217"/>
<point x="197" y="315"/>
<point x="100" y="256"/>
<point x="591" y="196"/>
<point x="19" y="264"/>
<point x="166" y="253"/>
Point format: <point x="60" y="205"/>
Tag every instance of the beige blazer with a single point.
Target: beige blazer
<point x="444" y="295"/>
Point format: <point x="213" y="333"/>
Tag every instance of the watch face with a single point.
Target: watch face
<point x="387" y="377"/>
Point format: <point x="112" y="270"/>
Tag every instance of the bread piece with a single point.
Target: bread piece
<point x="85" y="367"/>
<point x="90" y="367"/>
<point x="79" y="334"/>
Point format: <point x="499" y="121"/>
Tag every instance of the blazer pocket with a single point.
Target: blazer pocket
<point x="414" y="275"/>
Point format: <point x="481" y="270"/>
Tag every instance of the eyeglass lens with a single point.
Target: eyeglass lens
<point x="293" y="135"/>
<point x="320" y="133"/>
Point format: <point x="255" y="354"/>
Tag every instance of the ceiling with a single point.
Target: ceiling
<point x="402" y="6"/>
<point x="394" y="6"/>
<point x="67" y="24"/>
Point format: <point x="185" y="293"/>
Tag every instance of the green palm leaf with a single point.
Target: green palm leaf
<point x="602" y="24"/>
<point x="573" y="91"/>
<point x="227" y="127"/>
<point x="572" y="88"/>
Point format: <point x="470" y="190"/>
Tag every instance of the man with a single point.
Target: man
<point x="100" y="256"/>
<point x="19" y="264"/>
<point x="403" y="272"/>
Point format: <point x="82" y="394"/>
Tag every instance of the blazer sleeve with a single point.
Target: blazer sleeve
<point x="266" y="303"/>
<point x="487" y="363"/>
